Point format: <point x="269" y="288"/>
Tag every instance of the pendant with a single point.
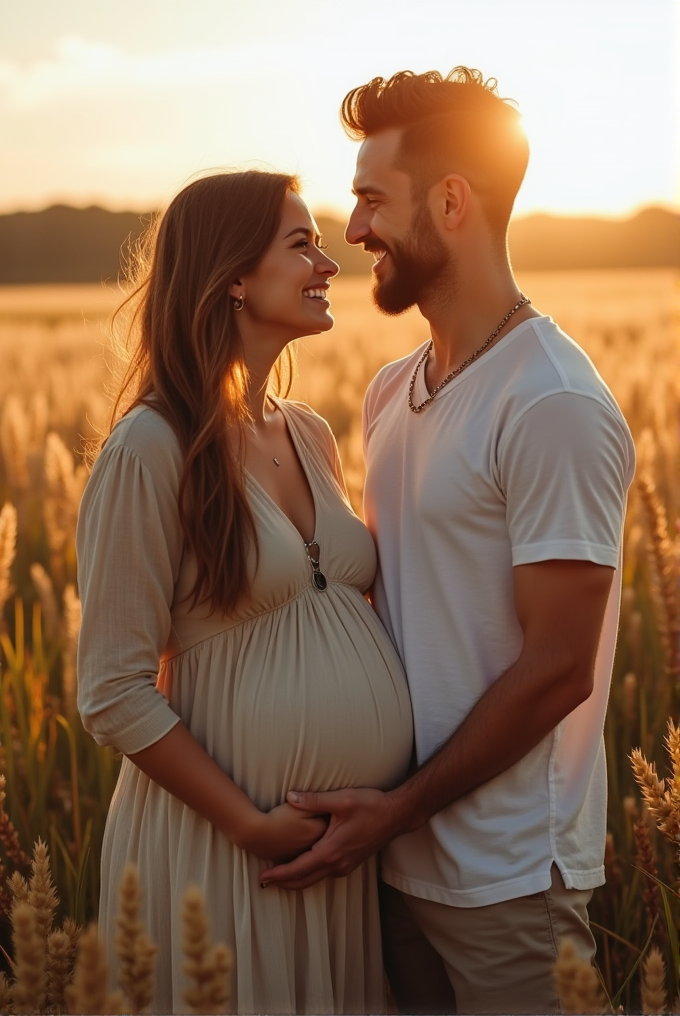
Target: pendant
<point x="318" y="578"/>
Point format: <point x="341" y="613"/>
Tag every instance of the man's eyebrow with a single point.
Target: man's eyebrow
<point x="362" y="191"/>
<point x="305" y="232"/>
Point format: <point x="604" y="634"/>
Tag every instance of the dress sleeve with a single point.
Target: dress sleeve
<point x="129" y="547"/>
<point x="565" y="469"/>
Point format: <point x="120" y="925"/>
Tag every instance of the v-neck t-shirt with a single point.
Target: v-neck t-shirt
<point x="524" y="457"/>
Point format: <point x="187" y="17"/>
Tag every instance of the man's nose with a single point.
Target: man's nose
<point x="357" y="229"/>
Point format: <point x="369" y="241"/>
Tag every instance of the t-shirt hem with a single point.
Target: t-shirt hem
<point x="569" y="550"/>
<point x="499" y="892"/>
<point x="590" y="879"/>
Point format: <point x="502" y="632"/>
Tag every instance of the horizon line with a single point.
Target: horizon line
<point x="329" y="212"/>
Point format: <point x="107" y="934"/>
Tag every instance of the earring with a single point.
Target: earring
<point x="239" y="301"/>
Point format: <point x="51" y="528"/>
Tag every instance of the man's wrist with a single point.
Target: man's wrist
<point x="406" y="810"/>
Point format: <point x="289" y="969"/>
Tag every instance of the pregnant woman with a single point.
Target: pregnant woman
<point x="226" y="647"/>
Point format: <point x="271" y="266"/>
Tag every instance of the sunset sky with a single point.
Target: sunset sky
<point x="120" y="103"/>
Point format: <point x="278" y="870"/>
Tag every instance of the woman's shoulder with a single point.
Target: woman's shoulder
<point x="146" y="435"/>
<point x="306" y="417"/>
<point x="314" y="429"/>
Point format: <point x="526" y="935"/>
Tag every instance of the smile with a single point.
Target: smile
<point x="315" y="294"/>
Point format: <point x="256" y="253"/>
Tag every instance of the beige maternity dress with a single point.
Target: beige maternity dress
<point x="298" y="689"/>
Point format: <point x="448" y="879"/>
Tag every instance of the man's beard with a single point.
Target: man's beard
<point x="417" y="266"/>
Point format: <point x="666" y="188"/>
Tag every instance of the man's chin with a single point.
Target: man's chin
<point x="390" y="299"/>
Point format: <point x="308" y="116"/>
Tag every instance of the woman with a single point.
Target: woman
<point x="226" y="646"/>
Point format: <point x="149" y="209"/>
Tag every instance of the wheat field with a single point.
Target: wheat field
<point x="54" y="373"/>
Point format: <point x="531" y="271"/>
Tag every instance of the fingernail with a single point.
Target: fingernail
<point x="294" y="797"/>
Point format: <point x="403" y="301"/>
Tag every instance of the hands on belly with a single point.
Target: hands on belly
<point x="284" y="832"/>
<point x="362" y="821"/>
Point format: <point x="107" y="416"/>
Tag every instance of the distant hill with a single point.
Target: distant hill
<point x="63" y="244"/>
<point x="650" y="239"/>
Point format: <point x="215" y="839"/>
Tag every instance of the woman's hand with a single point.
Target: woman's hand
<point x="284" y="832"/>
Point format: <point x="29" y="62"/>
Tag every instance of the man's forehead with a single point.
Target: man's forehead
<point x="376" y="159"/>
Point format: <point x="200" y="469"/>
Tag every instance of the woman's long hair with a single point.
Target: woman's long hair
<point x="185" y="358"/>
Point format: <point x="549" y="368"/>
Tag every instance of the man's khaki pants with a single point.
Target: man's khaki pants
<point x="495" y="959"/>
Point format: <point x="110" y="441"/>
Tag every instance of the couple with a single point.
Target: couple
<point x="227" y="648"/>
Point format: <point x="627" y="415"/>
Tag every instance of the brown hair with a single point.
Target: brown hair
<point x="187" y="358"/>
<point x="457" y="123"/>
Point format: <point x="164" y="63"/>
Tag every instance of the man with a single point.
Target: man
<point x="497" y="469"/>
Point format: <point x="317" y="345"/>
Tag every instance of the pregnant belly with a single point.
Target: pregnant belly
<point x="308" y="697"/>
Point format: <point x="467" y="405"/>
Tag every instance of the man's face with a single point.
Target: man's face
<point x="410" y="256"/>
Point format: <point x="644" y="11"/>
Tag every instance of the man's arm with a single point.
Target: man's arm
<point x="560" y="606"/>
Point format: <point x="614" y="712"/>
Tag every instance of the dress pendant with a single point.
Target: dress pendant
<point x="318" y="578"/>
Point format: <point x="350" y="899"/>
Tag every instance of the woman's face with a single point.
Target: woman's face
<point x="287" y="292"/>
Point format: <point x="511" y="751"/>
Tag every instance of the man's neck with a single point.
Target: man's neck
<point x="462" y="315"/>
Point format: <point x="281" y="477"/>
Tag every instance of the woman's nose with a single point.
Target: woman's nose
<point x="328" y="267"/>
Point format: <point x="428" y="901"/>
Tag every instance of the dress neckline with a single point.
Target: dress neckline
<point x="300" y="451"/>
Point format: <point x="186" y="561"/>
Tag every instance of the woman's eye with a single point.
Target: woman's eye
<point x="302" y="243"/>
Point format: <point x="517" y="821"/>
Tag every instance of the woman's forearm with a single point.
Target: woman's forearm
<point x="179" y="764"/>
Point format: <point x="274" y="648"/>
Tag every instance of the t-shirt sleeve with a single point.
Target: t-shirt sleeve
<point x="565" y="468"/>
<point x="129" y="547"/>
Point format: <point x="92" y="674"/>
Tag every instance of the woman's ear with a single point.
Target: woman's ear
<point x="236" y="289"/>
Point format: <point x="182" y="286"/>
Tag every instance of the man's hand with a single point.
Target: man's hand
<point x="361" y="823"/>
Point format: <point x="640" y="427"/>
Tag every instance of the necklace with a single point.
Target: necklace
<point x="462" y="366"/>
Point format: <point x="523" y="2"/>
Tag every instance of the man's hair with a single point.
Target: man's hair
<point x="453" y="124"/>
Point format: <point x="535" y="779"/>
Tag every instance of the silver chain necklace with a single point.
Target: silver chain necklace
<point x="462" y="366"/>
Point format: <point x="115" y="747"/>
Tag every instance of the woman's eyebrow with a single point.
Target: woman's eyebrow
<point x="305" y="231"/>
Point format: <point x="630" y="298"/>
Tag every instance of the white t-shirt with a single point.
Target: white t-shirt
<point x="524" y="457"/>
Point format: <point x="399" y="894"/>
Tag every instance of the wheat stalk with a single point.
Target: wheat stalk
<point x="644" y="858"/>
<point x="5" y="993"/>
<point x="38" y="417"/>
<point x="48" y="601"/>
<point x="630" y="697"/>
<point x="659" y="800"/>
<point x="42" y="894"/>
<point x="18" y="886"/>
<point x="136" y="953"/>
<point x="8" y="834"/>
<point x="64" y="488"/>
<point x="664" y="570"/>
<point x="30" y="978"/>
<point x="59" y="968"/>
<point x="653" y="992"/>
<point x="89" y="990"/>
<point x="14" y="444"/>
<point x="577" y="983"/>
<point x="73" y="613"/>
<point x="209" y="969"/>
<point x="8" y="549"/>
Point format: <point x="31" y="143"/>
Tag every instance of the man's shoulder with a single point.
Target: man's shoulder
<point x="545" y="361"/>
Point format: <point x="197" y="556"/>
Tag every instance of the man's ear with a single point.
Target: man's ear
<point x="453" y="199"/>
